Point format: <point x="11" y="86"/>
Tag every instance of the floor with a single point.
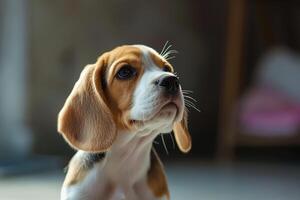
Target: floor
<point x="194" y="181"/>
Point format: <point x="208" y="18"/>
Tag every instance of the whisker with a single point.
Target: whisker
<point x="189" y="91"/>
<point x="164" y="144"/>
<point x="192" y="106"/>
<point x="190" y="98"/>
<point x="163" y="49"/>
<point x="190" y="103"/>
<point x="173" y="143"/>
<point x="170" y="58"/>
<point x="173" y="51"/>
<point x="186" y="93"/>
<point x="166" y="51"/>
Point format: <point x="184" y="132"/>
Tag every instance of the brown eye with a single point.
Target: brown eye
<point x="126" y="72"/>
<point x="166" y="69"/>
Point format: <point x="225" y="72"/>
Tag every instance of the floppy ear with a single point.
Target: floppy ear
<point x="182" y="135"/>
<point x="85" y="120"/>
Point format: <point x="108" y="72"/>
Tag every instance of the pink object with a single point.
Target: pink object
<point x="267" y="112"/>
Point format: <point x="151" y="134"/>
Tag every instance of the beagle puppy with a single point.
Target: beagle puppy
<point x="114" y="112"/>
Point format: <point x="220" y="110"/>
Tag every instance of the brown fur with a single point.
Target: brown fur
<point x="182" y="135"/>
<point x="85" y="120"/>
<point x="80" y="165"/>
<point x="76" y="171"/>
<point x="161" y="62"/>
<point x="157" y="180"/>
<point x="120" y="92"/>
<point x="92" y="114"/>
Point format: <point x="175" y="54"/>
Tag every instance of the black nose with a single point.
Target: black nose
<point x="170" y="83"/>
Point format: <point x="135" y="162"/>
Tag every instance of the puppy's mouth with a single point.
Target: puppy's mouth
<point x="167" y="106"/>
<point x="167" y="109"/>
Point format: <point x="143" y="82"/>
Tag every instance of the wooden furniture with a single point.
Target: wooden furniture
<point x="232" y="77"/>
<point x="229" y="134"/>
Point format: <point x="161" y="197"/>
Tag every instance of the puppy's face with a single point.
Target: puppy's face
<point x="142" y="90"/>
<point x="131" y="88"/>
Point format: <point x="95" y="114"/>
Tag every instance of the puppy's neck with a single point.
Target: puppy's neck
<point x="128" y="159"/>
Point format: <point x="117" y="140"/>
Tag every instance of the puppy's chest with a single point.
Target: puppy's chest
<point x="117" y="178"/>
<point x="127" y="163"/>
<point x="126" y="169"/>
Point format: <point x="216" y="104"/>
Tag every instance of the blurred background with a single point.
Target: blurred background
<point x="241" y="59"/>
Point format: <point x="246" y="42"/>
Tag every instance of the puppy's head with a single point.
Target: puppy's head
<point x="131" y="88"/>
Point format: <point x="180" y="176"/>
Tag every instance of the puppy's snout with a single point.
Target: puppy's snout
<point x="169" y="83"/>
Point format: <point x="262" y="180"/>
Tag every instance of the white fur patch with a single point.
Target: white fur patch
<point x="148" y="98"/>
